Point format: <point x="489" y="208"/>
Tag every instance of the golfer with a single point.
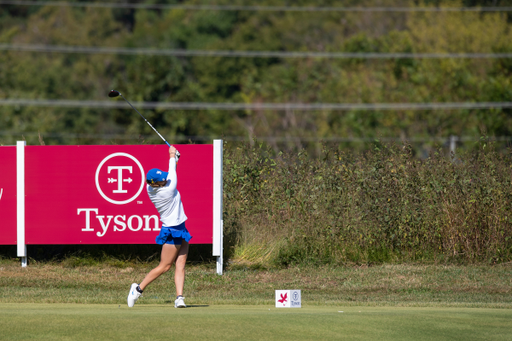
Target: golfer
<point x="173" y="236"/>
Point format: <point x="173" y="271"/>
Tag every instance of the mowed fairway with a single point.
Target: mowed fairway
<point x="223" y="322"/>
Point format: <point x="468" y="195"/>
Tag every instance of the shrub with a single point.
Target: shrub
<point x="385" y="205"/>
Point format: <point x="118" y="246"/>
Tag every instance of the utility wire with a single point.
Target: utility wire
<point x="252" y="54"/>
<point x="256" y="106"/>
<point x="256" y="8"/>
<point x="109" y="136"/>
<point x="246" y="138"/>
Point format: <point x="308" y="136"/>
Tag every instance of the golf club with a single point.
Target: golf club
<point x="115" y="93"/>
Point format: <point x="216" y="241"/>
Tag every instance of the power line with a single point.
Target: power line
<point x="256" y="8"/>
<point x="255" y="106"/>
<point x="105" y="136"/>
<point x="227" y="53"/>
<point x="246" y="138"/>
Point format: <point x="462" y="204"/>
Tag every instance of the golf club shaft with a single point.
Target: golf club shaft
<point x="156" y="131"/>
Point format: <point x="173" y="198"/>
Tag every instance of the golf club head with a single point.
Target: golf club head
<point x="113" y="93"/>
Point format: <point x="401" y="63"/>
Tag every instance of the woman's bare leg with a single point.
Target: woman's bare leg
<point x="168" y="256"/>
<point x="179" y="273"/>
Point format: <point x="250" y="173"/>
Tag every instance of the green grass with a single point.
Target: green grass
<point x="262" y="322"/>
<point x="384" y="285"/>
<point x="71" y="301"/>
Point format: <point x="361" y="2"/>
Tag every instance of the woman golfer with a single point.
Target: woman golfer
<point x="173" y="236"/>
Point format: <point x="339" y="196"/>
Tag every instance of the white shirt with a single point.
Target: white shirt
<point x="167" y="199"/>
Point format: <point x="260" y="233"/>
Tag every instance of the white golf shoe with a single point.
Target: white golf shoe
<point x="180" y="303"/>
<point x="133" y="295"/>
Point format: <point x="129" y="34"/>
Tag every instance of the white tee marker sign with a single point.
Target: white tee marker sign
<point x="288" y="299"/>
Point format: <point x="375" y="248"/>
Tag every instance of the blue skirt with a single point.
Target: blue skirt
<point x="173" y="235"/>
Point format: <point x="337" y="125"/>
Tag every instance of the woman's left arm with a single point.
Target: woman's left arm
<point x="172" y="168"/>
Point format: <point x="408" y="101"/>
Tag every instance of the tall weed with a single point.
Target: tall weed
<point x="385" y="205"/>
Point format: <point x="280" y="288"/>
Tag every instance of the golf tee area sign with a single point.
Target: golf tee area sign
<point x="97" y="194"/>
<point x="288" y="299"/>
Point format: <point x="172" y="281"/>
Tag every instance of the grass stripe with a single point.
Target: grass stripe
<point x="199" y="322"/>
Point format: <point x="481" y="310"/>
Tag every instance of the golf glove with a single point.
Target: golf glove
<point x="177" y="155"/>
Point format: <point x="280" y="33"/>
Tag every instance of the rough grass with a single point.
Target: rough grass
<point x="382" y="285"/>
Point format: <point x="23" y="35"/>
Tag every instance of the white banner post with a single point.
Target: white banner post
<point x="218" y="246"/>
<point x="20" y="201"/>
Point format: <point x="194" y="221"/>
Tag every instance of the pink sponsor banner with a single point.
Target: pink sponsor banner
<point x="8" y="233"/>
<point x="97" y="194"/>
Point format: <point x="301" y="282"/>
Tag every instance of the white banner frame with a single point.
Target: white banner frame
<point x="218" y="239"/>
<point x="20" y="202"/>
<point x="218" y="228"/>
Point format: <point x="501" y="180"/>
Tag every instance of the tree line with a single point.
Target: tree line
<point x="217" y="79"/>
